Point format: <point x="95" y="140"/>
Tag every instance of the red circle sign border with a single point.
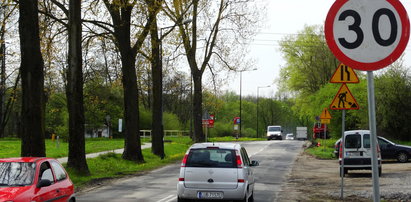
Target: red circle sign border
<point x="329" y="36"/>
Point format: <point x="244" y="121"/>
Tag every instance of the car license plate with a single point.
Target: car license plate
<point x="354" y="153"/>
<point x="210" y="195"/>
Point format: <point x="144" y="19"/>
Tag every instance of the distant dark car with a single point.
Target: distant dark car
<point x="389" y="150"/>
<point x="34" y="179"/>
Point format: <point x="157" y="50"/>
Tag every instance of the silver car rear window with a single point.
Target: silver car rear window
<point x="211" y="158"/>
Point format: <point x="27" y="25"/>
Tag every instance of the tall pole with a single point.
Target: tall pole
<point x="258" y="89"/>
<point x="241" y="78"/>
<point x="373" y="136"/>
<point x="241" y="118"/>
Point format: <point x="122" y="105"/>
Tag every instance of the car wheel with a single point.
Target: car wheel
<point x="343" y="172"/>
<point x="243" y="200"/>
<point x="251" y="199"/>
<point x="402" y="157"/>
<point x="379" y="172"/>
<point x="181" y="200"/>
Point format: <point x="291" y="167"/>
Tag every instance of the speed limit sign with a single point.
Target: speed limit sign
<point x="367" y="34"/>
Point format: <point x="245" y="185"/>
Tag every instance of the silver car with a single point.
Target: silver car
<point x="220" y="171"/>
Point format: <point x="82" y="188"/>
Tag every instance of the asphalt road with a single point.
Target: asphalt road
<point x="275" y="157"/>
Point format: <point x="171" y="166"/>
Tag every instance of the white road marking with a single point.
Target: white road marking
<point x="168" y="198"/>
<point x="258" y="151"/>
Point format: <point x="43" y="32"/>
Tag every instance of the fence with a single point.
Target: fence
<point x="169" y="133"/>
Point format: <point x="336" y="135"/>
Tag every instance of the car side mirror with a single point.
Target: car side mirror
<point x="43" y="183"/>
<point x="254" y="163"/>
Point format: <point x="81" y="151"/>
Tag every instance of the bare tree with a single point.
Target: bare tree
<point x="75" y="103"/>
<point x="157" y="127"/>
<point x="120" y="12"/>
<point x="217" y="27"/>
<point x="32" y="74"/>
<point x="6" y="11"/>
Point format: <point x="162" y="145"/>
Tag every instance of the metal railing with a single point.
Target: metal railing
<point x="167" y="133"/>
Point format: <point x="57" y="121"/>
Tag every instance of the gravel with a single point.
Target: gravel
<point x="313" y="179"/>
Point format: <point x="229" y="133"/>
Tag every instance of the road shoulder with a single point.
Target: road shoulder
<point x="313" y="179"/>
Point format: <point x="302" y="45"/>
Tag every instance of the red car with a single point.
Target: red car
<point x="34" y="179"/>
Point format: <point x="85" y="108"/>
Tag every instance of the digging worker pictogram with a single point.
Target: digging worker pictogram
<point x="342" y="98"/>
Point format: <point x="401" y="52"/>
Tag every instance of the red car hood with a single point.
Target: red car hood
<point x="7" y="193"/>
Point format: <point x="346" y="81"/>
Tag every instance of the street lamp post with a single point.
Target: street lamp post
<point x="258" y="88"/>
<point x="241" y="78"/>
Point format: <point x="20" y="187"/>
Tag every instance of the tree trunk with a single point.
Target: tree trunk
<point x="2" y="79"/>
<point x="197" y="107"/>
<point x="32" y="74"/>
<point x="157" y="127"/>
<point x="121" y="16"/>
<point x="132" y="147"/>
<point x="75" y="103"/>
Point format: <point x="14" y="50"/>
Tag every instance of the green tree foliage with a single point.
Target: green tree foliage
<point x="101" y="100"/>
<point x="57" y="116"/>
<point x="310" y="63"/>
<point x="393" y="102"/>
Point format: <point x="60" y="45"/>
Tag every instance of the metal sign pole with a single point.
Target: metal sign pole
<point x="325" y="135"/>
<point x="342" y="145"/>
<point x="373" y="136"/>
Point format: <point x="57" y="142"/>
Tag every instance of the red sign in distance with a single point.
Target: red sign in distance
<point x="367" y="34"/>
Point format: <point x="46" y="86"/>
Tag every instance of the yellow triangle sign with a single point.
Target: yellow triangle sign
<point x="325" y="114"/>
<point x="344" y="99"/>
<point x="344" y="74"/>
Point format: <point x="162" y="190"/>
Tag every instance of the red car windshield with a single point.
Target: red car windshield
<point x="14" y="174"/>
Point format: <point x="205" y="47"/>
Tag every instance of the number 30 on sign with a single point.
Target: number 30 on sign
<point x="367" y="34"/>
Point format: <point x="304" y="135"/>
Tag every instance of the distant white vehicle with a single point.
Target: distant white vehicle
<point x="301" y="133"/>
<point x="289" y="136"/>
<point x="274" y="132"/>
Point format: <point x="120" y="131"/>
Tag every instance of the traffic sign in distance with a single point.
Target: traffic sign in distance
<point x="344" y="74"/>
<point x="344" y="99"/>
<point x="325" y="114"/>
<point x="325" y="121"/>
<point x="367" y="34"/>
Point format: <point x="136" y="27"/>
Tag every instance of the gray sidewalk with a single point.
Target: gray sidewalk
<point x="94" y="155"/>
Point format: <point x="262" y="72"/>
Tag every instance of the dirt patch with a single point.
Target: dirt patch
<point x="313" y="179"/>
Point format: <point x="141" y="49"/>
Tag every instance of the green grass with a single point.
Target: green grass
<point x="112" y="165"/>
<point x="11" y="147"/>
<point x="232" y="139"/>
<point x="109" y="165"/>
<point x="324" y="151"/>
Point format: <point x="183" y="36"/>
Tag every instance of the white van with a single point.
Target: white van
<point x="274" y="132"/>
<point x="357" y="152"/>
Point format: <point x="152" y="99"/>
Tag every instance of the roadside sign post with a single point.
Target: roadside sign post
<point x="368" y="35"/>
<point x="343" y="100"/>
<point x="325" y="119"/>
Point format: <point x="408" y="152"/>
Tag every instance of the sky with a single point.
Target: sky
<point x="284" y="17"/>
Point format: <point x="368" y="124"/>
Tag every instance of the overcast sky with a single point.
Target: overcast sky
<point x="284" y="17"/>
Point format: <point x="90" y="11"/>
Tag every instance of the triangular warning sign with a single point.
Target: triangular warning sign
<point x="344" y="99"/>
<point x="344" y="74"/>
<point x="325" y="114"/>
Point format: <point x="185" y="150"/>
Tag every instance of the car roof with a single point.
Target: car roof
<point x="356" y="131"/>
<point x="24" y="159"/>
<point x="221" y="145"/>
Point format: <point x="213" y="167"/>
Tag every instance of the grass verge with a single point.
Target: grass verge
<point x="111" y="165"/>
<point x="11" y="147"/>
<point x="325" y="150"/>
